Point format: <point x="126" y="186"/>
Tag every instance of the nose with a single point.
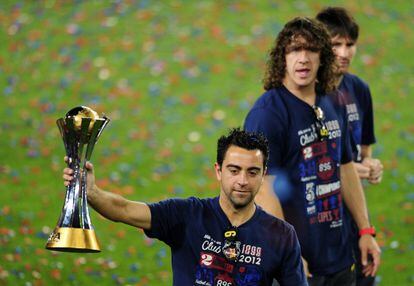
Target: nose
<point x="342" y="51"/>
<point x="303" y="56"/>
<point x="242" y="180"/>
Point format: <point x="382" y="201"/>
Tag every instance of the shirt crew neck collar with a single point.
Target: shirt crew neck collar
<point x="224" y="219"/>
<point x="301" y="101"/>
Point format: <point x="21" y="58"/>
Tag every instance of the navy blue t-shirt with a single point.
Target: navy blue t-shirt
<point x="356" y="96"/>
<point x="310" y="170"/>
<point x="194" y="229"/>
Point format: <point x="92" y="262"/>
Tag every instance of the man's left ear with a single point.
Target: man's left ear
<point x="217" y="167"/>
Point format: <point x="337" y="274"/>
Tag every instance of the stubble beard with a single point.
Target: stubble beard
<point x="240" y="203"/>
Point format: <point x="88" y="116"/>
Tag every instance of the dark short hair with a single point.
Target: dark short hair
<point x="243" y="139"/>
<point x="317" y="38"/>
<point x="339" y="22"/>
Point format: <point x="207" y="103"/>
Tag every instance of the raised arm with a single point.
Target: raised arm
<point x="112" y="206"/>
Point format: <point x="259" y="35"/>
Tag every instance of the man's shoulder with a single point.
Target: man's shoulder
<point x="202" y="202"/>
<point x="271" y="98"/>
<point x="180" y="203"/>
<point x="271" y="105"/>
<point x="355" y="81"/>
<point x="271" y="222"/>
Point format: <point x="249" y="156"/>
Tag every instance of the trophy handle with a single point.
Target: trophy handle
<point x="95" y="134"/>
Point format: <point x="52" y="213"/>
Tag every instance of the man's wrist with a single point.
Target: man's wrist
<point x="367" y="230"/>
<point x="91" y="192"/>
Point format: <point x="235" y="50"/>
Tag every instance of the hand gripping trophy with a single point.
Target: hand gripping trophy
<point x="80" y="130"/>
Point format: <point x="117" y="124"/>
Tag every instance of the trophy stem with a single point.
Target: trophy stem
<point x="83" y="201"/>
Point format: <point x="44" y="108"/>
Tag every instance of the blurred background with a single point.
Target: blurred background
<point x="172" y="76"/>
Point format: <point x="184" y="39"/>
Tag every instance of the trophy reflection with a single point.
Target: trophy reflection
<point x="80" y="130"/>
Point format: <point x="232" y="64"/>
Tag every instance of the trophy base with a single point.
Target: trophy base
<point x="68" y="239"/>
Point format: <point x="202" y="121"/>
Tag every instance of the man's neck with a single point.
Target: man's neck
<point x="305" y="93"/>
<point x="239" y="216"/>
<point x="338" y="79"/>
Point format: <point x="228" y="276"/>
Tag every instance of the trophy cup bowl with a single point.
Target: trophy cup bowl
<point x="80" y="130"/>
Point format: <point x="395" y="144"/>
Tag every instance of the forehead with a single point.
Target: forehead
<point x="243" y="157"/>
<point x="341" y="39"/>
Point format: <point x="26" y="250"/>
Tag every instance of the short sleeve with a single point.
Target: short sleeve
<point x="168" y="220"/>
<point x="368" y="134"/>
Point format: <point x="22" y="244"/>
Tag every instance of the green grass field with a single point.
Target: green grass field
<point x="172" y="76"/>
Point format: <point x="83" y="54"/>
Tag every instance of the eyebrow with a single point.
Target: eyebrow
<point x="305" y="46"/>
<point x="239" y="168"/>
<point x="346" y="41"/>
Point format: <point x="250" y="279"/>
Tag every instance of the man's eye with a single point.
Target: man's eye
<point x="313" y="49"/>
<point x="293" y="49"/>
<point x="253" y="173"/>
<point x="234" y="171"/>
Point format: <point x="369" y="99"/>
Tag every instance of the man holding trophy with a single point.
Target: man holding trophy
<point x="226" y="240"/>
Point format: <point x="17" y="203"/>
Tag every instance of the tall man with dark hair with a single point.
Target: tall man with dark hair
<point x="356" y="96"/>
<point x="310" y="152"/>
<point x="226" y="240"/>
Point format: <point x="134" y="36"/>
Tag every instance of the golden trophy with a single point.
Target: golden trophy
<point x="80" y="130"/>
